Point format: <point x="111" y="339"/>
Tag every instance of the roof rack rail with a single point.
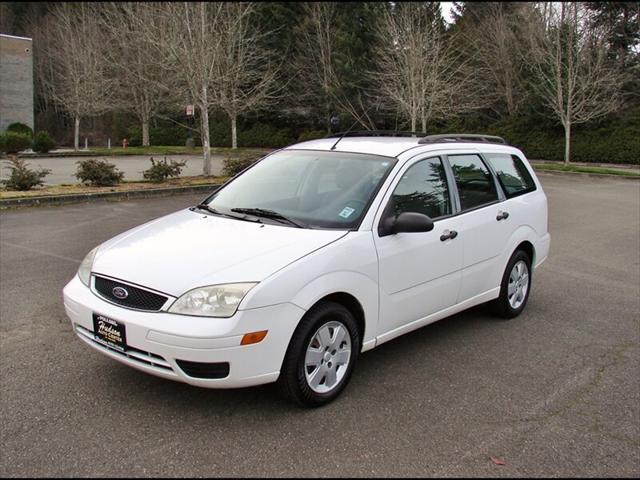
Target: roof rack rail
<point x="375" y="133"/>
<point x="461" y="137"/>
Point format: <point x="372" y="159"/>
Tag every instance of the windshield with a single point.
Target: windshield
<point x="314" y="188"/>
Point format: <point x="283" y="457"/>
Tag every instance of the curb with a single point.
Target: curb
<point x="91" y="197"/>
<point x="29" y="156"/>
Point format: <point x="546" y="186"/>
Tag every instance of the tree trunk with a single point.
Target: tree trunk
<point x="204" y="130"/>
<point x="76" y="134"/>
<point x="424" y="122"/>
<point x="511" y="104"/>
<point x="145" y="133"/>
<point x="327" y="114"/>
<point x="567" y="143"/>
<point x="413" y="122"/>
<point x="234" y="131"/>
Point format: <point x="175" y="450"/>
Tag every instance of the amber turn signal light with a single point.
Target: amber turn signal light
<point x="253" y="337"/>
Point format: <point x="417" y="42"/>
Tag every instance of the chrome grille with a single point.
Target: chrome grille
<point x="137" y="298"/>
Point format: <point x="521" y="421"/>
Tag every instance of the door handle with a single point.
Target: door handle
<point x="448" y="235"/>
<point x="502" y="216"/>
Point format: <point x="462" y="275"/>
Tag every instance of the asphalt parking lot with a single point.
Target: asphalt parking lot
<point x="554" y="392"/>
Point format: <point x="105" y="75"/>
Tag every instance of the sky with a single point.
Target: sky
<point x="446" y="7"/>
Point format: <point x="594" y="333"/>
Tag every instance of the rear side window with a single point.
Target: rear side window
<point x="475" y="183"/>
<point x="512" y="173"/>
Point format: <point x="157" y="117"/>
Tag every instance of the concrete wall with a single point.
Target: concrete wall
<point x="16" y="81"/>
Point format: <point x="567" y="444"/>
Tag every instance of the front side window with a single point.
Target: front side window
<point x="423" y="189"/>
<point x="474" y="181"/>
<point x="315" y="188"/>
<point x="512" y="173"/>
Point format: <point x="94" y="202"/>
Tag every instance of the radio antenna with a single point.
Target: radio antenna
<point x="354" y="124"/>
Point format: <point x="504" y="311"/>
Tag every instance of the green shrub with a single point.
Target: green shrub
<point x="22" y="177"/>
<point x="42" y="142"/>
<point x="174" y="135"/>
<point x="265" y="135"/>
<point x="161" y="170"/>
<point x="259" y="135"/>
<point x="220" y="133"/>
<point x="311" y="135"/>
<point x="235" y="163"/>
<point x="13" y="142"/>
<point x="98" y="173"/>
<point x="21" y="128"/>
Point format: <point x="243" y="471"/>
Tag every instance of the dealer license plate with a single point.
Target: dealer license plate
<point x="109" y="332"/>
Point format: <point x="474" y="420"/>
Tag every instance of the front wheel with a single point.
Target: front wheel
<point x="515" y="286"/>
<point x="321" y="355"/>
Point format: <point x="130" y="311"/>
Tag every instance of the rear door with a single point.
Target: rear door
<point x="484" y="227"/>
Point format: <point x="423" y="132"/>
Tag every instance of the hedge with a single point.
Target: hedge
<point x="611" y="141"/>
<point x="165" y="136"/>
<point x="13" y="142"/>
<point x="20" y="128"/>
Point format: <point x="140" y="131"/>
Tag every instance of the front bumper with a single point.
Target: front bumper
<point x="160" y="339"/>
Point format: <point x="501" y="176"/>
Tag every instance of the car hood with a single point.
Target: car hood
<point x="187" y="249"/>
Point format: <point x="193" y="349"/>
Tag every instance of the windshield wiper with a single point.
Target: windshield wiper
<point x="204" y="206"/>
<point x="262" y="212"/>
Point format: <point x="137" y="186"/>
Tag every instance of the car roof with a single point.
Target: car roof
<point x="387" y="146"/>
<point x="392" y="146"/>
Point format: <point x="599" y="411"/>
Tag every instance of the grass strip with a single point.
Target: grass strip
<point x="582" y="169"/>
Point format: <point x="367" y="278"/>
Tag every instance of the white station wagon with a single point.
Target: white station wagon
<point x="314" y="254"/>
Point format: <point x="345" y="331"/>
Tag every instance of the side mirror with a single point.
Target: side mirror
<point x="409" y="222"/>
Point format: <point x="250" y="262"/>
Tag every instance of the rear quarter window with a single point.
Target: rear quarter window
<point x="512" y="174"/>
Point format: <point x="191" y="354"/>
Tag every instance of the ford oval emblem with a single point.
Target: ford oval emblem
<point x="120" y="293"/>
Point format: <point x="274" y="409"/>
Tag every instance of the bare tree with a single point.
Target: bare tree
<point x="189" y="37"/>
<point x="71" y="62"/>
<point x="144" y="87"/>
<point x="418" y="70"/>
<point x="317" y="42"/>
<point x="569" y="58"/>
<point x="316" y="64"/>
<point x="493" y="42"/>
<point x="246" y="79"/>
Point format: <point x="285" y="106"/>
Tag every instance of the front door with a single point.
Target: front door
<point x="419" y="273"/>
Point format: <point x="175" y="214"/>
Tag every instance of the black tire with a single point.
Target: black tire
<point x="501" y="305"/>
<point x="292" y="382"/>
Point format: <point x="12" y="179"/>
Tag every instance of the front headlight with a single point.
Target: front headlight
<point x="212" y="301"/>
<point x="84" y="271"/>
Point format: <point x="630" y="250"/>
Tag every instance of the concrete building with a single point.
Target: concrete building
<point x="16" y="81"/>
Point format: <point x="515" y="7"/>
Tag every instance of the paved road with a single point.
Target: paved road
<point x="63" y="169"/>
<point x="553" y="392"/>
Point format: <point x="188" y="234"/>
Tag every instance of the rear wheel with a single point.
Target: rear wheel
<point x="321" y="355"/>
<point x="515" y="286"/>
